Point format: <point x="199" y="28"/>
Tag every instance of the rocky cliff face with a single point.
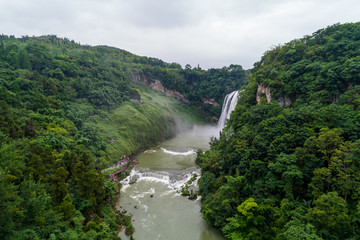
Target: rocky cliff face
<point x="210" y="101"/>
<point x="283" y="101"/>
<point x="157" y="86"/>
<point x="264" y="91"/>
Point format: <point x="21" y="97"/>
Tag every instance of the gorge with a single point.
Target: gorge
<point x="152" y="192"/>
<point x="69" y="111"/>
<point x="286" y="165"/>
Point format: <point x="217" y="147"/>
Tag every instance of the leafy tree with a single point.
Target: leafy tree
<point x="24" y="61"/>
<point x="299" y="231"/>
<point x="330" y="216"/>
<point x="288" y="174"/>
<point x="253" y="222"/>
<point x="67" y="208"/>
<point x="59" y="183"/>
<point x="7" y="124"/>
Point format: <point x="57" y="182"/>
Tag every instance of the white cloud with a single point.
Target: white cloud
<point x="211" y="33"/>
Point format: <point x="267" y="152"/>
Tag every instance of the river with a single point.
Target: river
<point x="154" y="200"/>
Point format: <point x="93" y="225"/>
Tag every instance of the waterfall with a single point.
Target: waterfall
<point x="159" y="175"/>
<point x="178" y="153"/>
<point x="176" y="179"/>
<point x="155" y="176"/>
<point x="229" y="105"/>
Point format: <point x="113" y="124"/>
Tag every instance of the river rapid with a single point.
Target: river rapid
<point x="154" y="200"/>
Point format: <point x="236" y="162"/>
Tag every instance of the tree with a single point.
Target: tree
<point x="59" y="185"/>
<point x="320" y="182"/>
<point x="288" y="174"/>
<point x="129" y="230"/>
<point x="10" y="210"/>
<point x="330" y="216"/>
<point x="329" y="140"/>
<point x="7" y="123"/>
<point x="254" y="222"/>
<point x="296" y="230"/>
<point x="67" y="208"/>
<point x="24" y="61"/>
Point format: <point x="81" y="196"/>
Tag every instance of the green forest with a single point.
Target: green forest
<point x="287" y="165"/>
<point x="69" y="110"/>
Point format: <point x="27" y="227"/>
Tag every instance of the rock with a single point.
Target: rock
<point x="193" y="196"/>
<point x="157" y="86"/>
<point x="133" y="179"/>
<point x="210" y="101"/>
<point x="284" y="101"/>
<point x="214" y="119"/>
<point x="263" y="91"/>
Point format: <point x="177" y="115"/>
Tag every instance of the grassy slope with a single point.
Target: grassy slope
<point x="136" y="126"/>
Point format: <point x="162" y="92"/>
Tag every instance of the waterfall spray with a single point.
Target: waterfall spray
<point x="229" y="105"/>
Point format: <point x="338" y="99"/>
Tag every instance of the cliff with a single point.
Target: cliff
<point x="156" y="85"/>
<point x="264" y="91"/>
<point x="210" y="101"/>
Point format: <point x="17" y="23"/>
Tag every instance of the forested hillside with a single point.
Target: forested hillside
<point x="67" y="111"/>
<point x="91" y="65"/>
<point x="287" y="166"/>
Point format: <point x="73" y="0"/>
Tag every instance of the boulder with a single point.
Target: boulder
<point x="193" y="196"/>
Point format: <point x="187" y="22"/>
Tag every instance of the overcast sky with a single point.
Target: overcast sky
<point x="211" y="33"/>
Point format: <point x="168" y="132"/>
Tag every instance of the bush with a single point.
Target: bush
<point x="129" y="230"/>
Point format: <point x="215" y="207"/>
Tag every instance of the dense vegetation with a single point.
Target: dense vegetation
<point x="291" y="172"/>
<point x="196" y="84"/>
<point x="67" y="111"/>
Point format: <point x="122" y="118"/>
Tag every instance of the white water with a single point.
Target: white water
<point x="154" y="200"/>
<point x="173" y="179"/>
<point x="136" y="175"/>
<point x="229" y="105"/>
<point x="179" y="153"/>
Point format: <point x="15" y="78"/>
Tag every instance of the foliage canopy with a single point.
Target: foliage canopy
<point x="291" y="171"/>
